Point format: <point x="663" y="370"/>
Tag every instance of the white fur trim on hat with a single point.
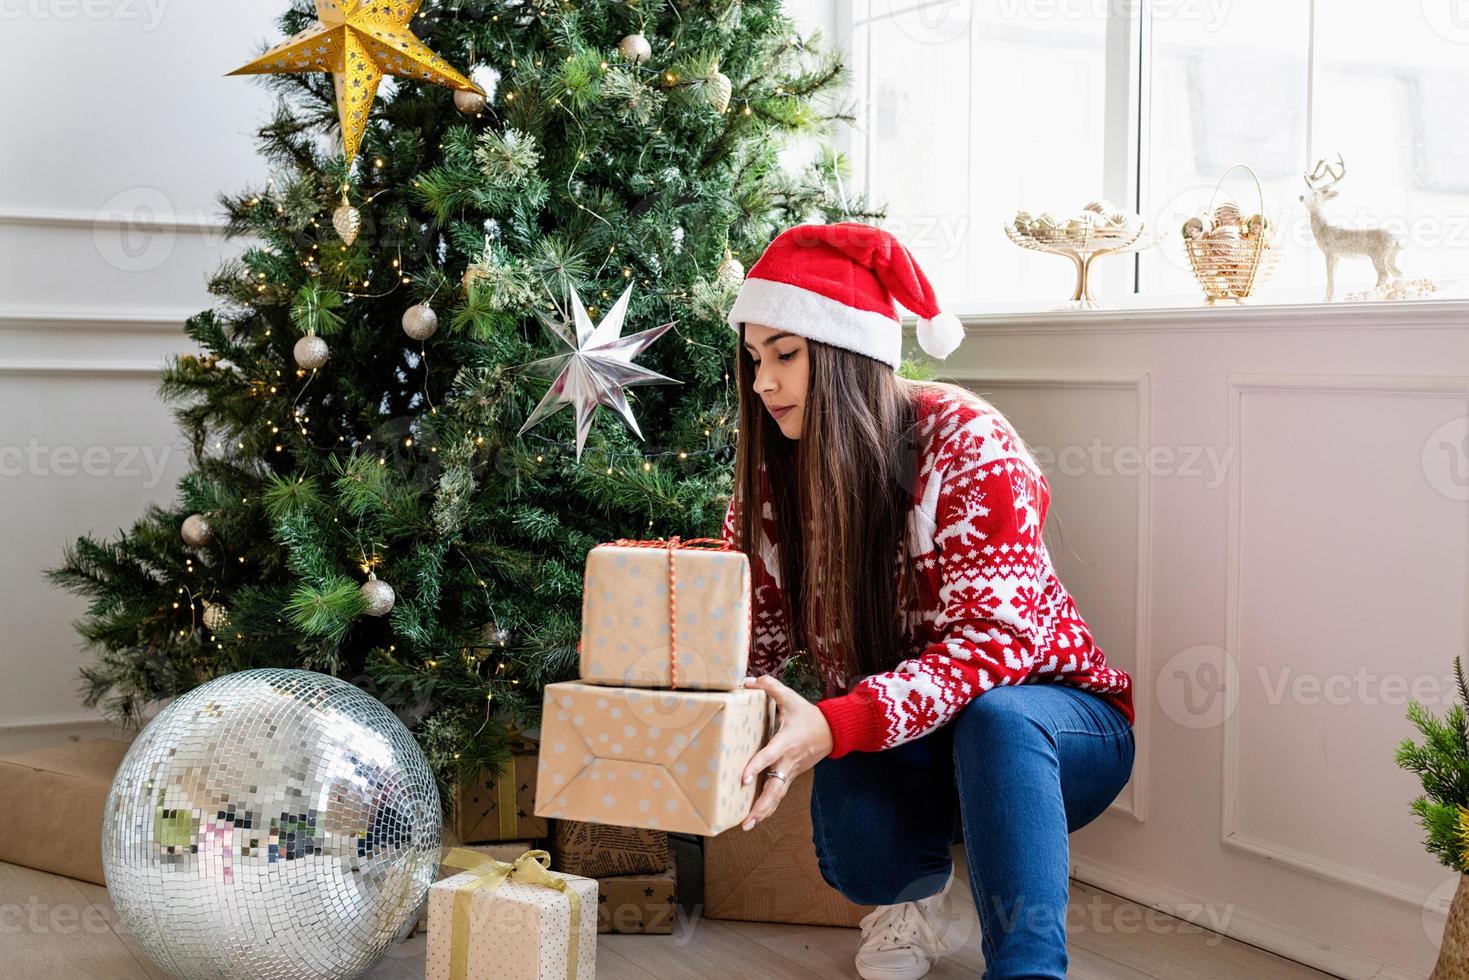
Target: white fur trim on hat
<point x="940" y="336"/>
<point x="809" y="314"/>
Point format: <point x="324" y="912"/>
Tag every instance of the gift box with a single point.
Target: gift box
<point x="646" y="903"/>
<point x="506" y="851"/>
<point x="511" y="921"/>
<point x="596" y="850"/>
<point x="51" y="803"/>
<point x="770" y="872"/>
<point x="668" y="614"/>
<point x="661" y="760"/>
<point x="500" y="808"/>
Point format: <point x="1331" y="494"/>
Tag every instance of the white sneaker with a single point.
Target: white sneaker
<point x="901" y="942"/>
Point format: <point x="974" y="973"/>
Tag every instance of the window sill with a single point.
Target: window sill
<point x="1402" y="314"/>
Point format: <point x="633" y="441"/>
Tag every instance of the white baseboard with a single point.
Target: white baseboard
<point x="1242" y="926"/>
<point x="27" y="735"/>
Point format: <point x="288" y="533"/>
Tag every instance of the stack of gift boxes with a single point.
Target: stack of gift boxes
<point x="658" y="729"/>
<point x="652" y="738"/>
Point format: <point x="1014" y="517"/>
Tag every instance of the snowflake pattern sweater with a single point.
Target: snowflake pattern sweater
<point x="992" y="610"/>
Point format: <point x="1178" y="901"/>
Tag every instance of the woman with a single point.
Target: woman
<point x="965" y="697"/>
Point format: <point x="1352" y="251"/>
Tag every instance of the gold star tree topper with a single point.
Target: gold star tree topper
<point x="359" y="42"/>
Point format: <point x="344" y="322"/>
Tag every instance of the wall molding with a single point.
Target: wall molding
<point x="90" y="220"/>
<point x="80" y="369"/>
<point x="1140" y="383"/>
<point x="1232" y="838"/>
<point x="1242" y="925"/>
<point x="141" y="321"/>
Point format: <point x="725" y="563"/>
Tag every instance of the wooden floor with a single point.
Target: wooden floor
<point x="54" y="928"/>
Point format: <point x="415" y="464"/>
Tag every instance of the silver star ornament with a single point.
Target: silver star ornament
<point x="594" y="368"/>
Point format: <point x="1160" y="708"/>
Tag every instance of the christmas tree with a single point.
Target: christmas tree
<point x="365" y="496"/>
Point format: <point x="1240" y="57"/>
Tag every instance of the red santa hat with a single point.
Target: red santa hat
<point x="836" y="283"/>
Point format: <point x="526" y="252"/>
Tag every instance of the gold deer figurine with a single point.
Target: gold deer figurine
<point x="1377" y="244"/>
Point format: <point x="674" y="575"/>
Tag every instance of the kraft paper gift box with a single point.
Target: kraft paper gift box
<point x="596" y="850"/>
<point x="499" y="921"/>
<point x="51" y="803"/>
<point x="499" y="808"/>
<point x="661" y="760"/>
<point x="626" y="615"/>
<point x="640" y="903"/>
<point x="770" y="872"/>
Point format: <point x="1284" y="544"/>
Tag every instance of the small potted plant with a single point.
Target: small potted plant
<point x="1442" y="764"/>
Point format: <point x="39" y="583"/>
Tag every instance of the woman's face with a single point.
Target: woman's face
<point x="781" y="371"/>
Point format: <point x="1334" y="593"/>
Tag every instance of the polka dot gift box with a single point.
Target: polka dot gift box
<point x="514" y="920"/>
<point x="669" y="614"/>
<point x="634" y="757"/>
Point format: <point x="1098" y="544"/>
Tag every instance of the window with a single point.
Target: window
<point x="970" y="111"/>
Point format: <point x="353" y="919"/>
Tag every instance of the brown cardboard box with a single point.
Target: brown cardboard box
<point x="625" y="617"/>
<point x="51" y="803"/>
<point x="646" y="903"/>
<point x="770" y="874"/>
<point x="634" y="757"/>
<point x="595" y="850"/>
<point x="492" y="809"/>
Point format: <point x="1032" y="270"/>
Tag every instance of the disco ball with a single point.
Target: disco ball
<point x="271" y="824"/>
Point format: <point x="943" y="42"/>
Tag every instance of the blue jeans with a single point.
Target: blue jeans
<point x="1015" y="771"/>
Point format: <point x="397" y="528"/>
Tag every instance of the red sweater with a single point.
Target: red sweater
<point x="992" y="609"/>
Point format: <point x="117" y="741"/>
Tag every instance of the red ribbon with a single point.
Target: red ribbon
<point x="673" y="544"/>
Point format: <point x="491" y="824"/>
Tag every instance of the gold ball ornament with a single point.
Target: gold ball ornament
<point x="420" y="322"/>
<point x="216" y="616"/>
<point x="635" y="48"/>
<point x="730" y="274"/>
<point x="196" y="531"/>
<point x="311" y="352"/>
<point x="377" y="596"/>
<point x="347" y="220"/>
<point x="720" y="90"/>
<point x="468" y="102"/>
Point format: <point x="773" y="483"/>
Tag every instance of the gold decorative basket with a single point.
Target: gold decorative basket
<point x="1231" y="256"/>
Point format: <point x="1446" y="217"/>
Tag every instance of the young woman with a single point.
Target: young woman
<point x="899" y="543"/>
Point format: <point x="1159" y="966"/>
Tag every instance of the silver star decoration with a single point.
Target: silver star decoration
<point x="594" y="368"/>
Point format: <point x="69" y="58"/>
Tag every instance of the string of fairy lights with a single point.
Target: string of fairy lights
<point x="550" y="452"/>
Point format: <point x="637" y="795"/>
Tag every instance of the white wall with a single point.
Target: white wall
<point x="119" y="128"/>
<point x="1261" y="512"/>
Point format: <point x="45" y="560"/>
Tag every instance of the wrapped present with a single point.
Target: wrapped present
<point x="499" y="808"/>
<point x="770" y="872"/>
<point x="669" y="614"/>
<point x="597" y="850"/>
<point x="506" y="851"/>
<point x="662" y="760"/>
<point x="646" y="903"/>
<point x="511" y="921"/>
<point x="51" y="803"/>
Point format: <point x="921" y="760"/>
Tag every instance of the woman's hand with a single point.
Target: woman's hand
<point x="803" y="739"/>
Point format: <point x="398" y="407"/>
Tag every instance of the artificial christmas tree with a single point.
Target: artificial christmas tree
<point x="365" y="498"/>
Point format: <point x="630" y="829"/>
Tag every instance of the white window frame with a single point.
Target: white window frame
<point x="1127" y="106"/>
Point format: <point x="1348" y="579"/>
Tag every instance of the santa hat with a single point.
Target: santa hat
<point x="836" y="283"/>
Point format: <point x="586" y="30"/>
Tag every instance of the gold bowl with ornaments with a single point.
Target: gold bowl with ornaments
<point x="1099" y="228"/>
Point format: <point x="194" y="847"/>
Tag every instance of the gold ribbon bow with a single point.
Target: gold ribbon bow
<point x="531" y="868"/>
<point x="673" y="544"/>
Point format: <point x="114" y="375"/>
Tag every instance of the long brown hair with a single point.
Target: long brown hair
<point x="840" y="497"/>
